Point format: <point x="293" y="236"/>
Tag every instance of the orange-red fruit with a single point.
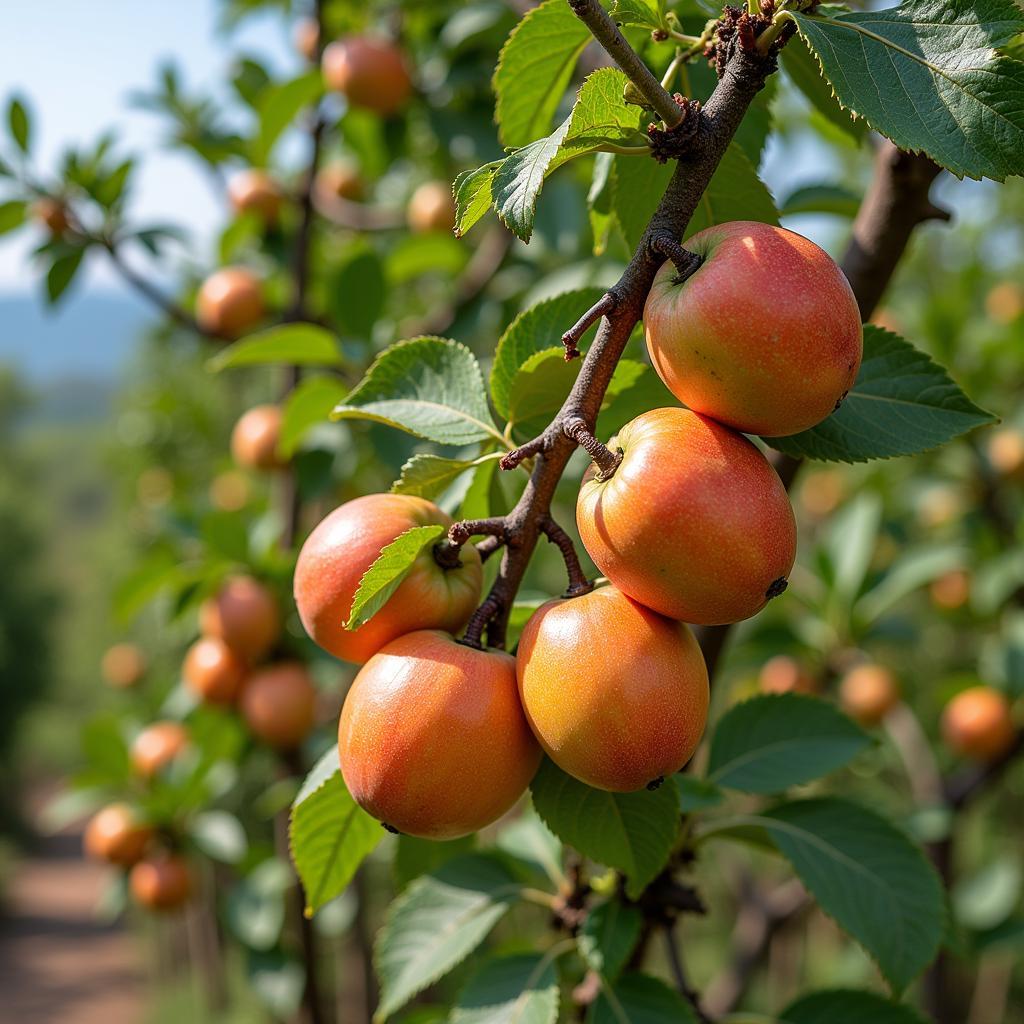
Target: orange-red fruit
<point x="255" y="191"/>
<point x="52" y="214"/>
<point x="157" y="746"/>
<point x="694" y="523"/>
<point x="783" y="674"/>
<point x="245" y="615"/>
<point x="432" y="738"/>
<point x="340" y="180"/>
<point x="616" y="694"/>
<point x="1006" y="452"/>
<point x="116" y="835"/>
<point x="230" y="302"/>
<point x="345" y="544"/>
<point x="307" y="38"/>
<point x="279" y="704"/>
<point x="370" y="72"/>
<point x="868" y="693"/>
<point x="255" y="437"/>
<point x="977" y="723"/>
<point x="212" y="671"/>
<point x="123" y="665"/>
<point x="431" y="208"/>
<point x="951" y="590"/>
<point x="764" y="337"/>
<point x="161" y="882"/>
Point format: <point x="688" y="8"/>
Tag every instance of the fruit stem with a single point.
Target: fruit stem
<point x="578" y="582"/>
<point x="605" y="459"/>
<point x="604" y="305"/>
<point x="686" y="263"/>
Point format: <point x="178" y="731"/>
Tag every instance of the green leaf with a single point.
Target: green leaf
<point x="538" y="390"/>
<point x="62" y="273"/>
<point x="219" y="835"/>
<point x="329" y="833"/>
<point x="436" y="923"/>
<point x="279" y="105"/>
<point x="535" y="329"/>
<point x="649" y="14"/>
<point x="473" y="195"/>
<point x="640" y="999"/>
<point x="19" y="124"/>
<point x="308" y="404"/>
<point x="356" y="293"/>
<point x="415" y="857"/>
<point x="774" y="741"/>
<point x="696" y="794"/>
<point x="429" y="387"/>
<point x="293" y="344"/>
<point x="427" y="475"/>
<point x="848" y="1006"/>
<point x="633" y="832"/>
<point x="255" y="910"/>
<point x="735" y="192"/>
<point x="12" y="215"/>
<point x="530" y="841"/>
<point x="821" y="199"/>
<point x="391" y="566"/>
<point x="805" y="73"/>
<point x="870" y="877"/>
<point x="927" y="75"/>
<point x="534" y="69"/>
<point x="520" y="989"/>
<point x="609" y="936"/>
<point x="901" y="404"/>
<point x="634" y="388"/>
<point x="433" y="253"/>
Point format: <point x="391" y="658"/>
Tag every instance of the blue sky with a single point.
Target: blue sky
<point x="76" y="62"/>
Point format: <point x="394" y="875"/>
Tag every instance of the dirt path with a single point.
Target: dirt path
<point x="58" y="964"/>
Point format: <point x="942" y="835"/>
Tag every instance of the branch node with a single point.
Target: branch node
<point x="488" y="547"/>
<point x="604" y="305"/>
<point x="459" y="533"/>
<point x="671" y="143"/>
<point x="510" y="460"/>
<point x="738" y="30"/>
<point x="607" y="461"/>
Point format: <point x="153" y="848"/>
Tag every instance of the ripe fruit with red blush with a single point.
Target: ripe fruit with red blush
<point x="117" y="835"/>
<point x="255" y="191"/>
<point x="245" y="614"/>
<point x="431" y="208"/>
<point x="868" y="693"/>
<point x="694" y="523"/>
<point x="255" y="438"/>
<point x="123" y="665"/>
<point x="340" y="550"/>
<point x="977" y="723"/>
<point x="764" y="337"/>
<point x="370" y="72"/>
<point x="783" y="674"/>
<point x="212" y="671"/>
<point x="157" y="746"/>
<point x="278" y="704"/>
<point x="432" y="738"/>
<point x="230" y="302"/>
<point x="161" y="882"/>
<point x="616" y="694"/>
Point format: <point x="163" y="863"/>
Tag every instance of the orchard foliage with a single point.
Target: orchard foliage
<point x="429" y="351"/>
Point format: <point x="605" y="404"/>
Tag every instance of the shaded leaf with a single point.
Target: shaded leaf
<point x="609" y="936"/>
<point x="521" y="989"/>
<point x="293" y="344"/>
<point x="803" y="69"/>
<point x="307" y="405"/>
<point x="427" y="475"/>
<point x="640" y="999"/>
<point x="848" y="1006"/>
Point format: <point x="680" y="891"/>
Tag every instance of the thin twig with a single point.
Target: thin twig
<point x="578" y="582"/>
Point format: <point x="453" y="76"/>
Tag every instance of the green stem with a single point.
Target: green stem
<point x="610" y="147"/>
<point x="774" y="30"/>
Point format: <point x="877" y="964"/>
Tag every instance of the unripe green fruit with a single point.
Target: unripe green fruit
<point x="694" y="523"/>
<point x="764" y="337"/>
<point x="616" y="694"/>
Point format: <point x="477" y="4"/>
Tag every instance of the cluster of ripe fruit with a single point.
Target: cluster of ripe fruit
<point x="692" y="525"/>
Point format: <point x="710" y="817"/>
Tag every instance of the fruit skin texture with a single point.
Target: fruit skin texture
<point x="230" y="302"/>
<point x="123" y="665"/>
<point x="161" y="882"/>
<point x="278" y="704"/>
<point x="157" y="746"/>
<point x="977" y="723"/>
<point x="432" y="738"/>
<point x="212" y="671"/>
<point x="255" y="437"/>
<point x="346" y="543"/>
<point x="431" y="208"/>
<point x="783" y="674"/>
<point x="116" y="835"/>
<point x="694" y="523"/>
<point x="371" y="73"/>
<point x="255" y="191"/>
<point x="868" y="693"/>
<point x="616" y="694"/>
<point x="245" y="615"/>
<point x="764" y="337"/>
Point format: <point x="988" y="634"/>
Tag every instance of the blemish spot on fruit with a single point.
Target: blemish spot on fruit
<point x="776" y="587"/>
<point x="655" y="783"/>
